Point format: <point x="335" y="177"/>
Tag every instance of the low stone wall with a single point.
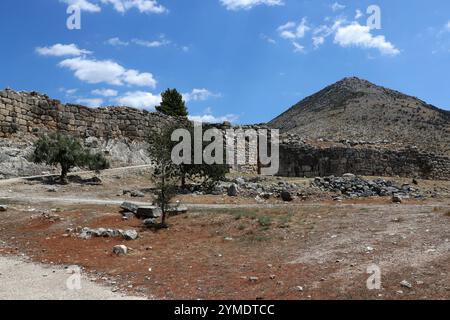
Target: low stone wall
<point x="308" y="161"/>
<point x="33" y="113"/>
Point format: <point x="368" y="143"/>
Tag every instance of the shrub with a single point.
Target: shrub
<point x="67" y="152"/>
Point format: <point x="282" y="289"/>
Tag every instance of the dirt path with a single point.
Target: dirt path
<point x="22" y="198"/>
<point x="19" y="179"/>
<point x="22" y="280"/>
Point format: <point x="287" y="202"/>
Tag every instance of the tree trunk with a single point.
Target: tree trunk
<point x="64" y="172"/>
<point x="183" y="180"/>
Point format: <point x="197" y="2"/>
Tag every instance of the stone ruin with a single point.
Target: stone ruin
<point x="120" y="133"/>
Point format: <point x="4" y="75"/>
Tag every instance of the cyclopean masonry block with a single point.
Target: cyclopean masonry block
<point x="22" y="112"/>
<point x="307" y="161"/>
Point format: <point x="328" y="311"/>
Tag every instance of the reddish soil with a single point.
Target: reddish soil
<point x="323" y="249"/>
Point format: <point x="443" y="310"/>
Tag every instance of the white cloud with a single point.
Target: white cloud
<point x="139" y="99"/>
<point x="133" y="77"/>
<point x="249" y="4"/>
<point x="292" y="31"/>
<point x="207" y="117"/>
<point x="144" y="6"/>
<point x="93" y="103"/>
<point x="68" y="92"/>
<point x="447" y="26"/>
<point x="84" y="5"/>
<point x="59" y="50"/>
<point x="117" y="42"/>
<point x="267" y="38"/>
<point x="200" y="95"/>
<point x="337" y="7"/>
<point x="105" y="92"/>
<point x="358" y="14"/>
<point x="106" y="71"/>
<point x="356" y="35"/>
<point x="151" y="44"/>
<point x="298" y="47"/>
<point x="318" y="41"/>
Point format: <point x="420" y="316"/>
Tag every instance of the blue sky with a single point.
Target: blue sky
<point x="242" y="60"/>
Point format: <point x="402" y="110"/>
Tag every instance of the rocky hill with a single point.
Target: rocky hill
<point x="357" y="110"/>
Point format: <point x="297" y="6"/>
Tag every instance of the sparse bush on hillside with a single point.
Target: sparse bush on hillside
<point x="67" y="152"/>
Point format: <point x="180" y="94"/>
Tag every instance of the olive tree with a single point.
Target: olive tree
<point x="67" y="152"/>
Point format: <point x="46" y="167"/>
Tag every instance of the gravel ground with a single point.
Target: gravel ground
<point x="22" y="280"/>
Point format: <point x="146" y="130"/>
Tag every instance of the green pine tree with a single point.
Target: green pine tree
<point x="172" y="104"/>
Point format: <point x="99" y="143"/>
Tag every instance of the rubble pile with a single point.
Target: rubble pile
<point x="351" y="186"/>
<point x="88" y="233"/>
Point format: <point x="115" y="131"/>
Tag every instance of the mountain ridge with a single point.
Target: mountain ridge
<point x="357" y="109"/>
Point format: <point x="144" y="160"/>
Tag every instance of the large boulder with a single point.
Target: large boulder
<point x="146" y="212"/>
<point x="130" y="207"/>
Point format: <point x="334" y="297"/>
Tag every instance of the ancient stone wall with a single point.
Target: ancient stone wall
<point x="308" y="161"/>
<point x="34" y="113"/>
<point x="120" y="133"/>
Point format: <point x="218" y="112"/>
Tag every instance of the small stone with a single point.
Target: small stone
<point x="3" y="208"/>
<point x="396" y="198"/>
<point x="299" y="288"/>
<point x="253" y="279"/>
<point x="120" y="249"/>
<point x="406" y="284"/>
<point x="151" y="222"/>
<point x="137" y="194"/>
<point x="130" y="235"/>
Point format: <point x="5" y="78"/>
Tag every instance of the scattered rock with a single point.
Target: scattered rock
<point x="351" y="186"/>
<point x="150" y="222"/>
<point x="406" y="284"/>
<point x="3" y="208"/>
<point x="396" y="198"/>
<point x="147" y="212"/>
<point x="177" y="209"/>
<point x="120" y="249"/>
<point x="52" y="189"/>
<point x="87" y="233"/>
<point x="286" y="196"/>
<point x="130" y="235"/>
<point x="51" y="217"/>
<point x="232" y="191"/>
<point x="137" y="194"/>
<point x="130" y="207"/>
